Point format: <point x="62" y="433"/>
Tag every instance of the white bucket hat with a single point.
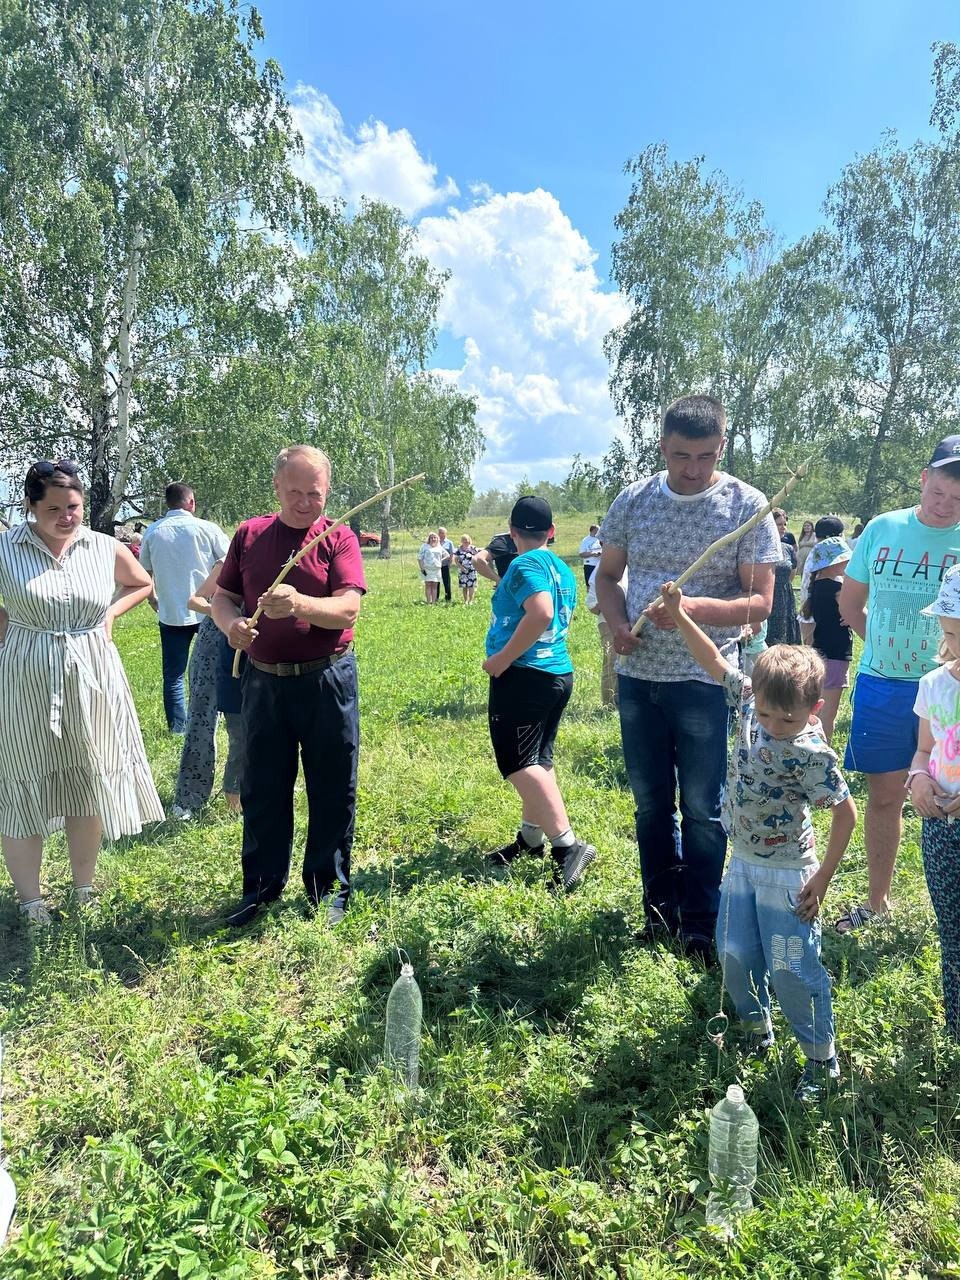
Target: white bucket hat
<point x="947" y="603"/>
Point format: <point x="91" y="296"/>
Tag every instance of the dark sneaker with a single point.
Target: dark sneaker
<point x="573" y="862"/>
<point x="758" y="1044"/>
<point x="510" y="852"/>
<point x="246" y="910"/>
<point x="700" y="950"/>
<point x="817" y="1080"/>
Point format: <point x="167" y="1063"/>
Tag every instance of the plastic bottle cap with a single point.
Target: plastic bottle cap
<point x="735" y="1094"/>
<point x="406" y="971"/>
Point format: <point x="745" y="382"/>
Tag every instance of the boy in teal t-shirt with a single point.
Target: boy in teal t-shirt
<point x="531" y="680"/>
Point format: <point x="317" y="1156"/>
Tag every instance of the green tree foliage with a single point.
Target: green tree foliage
<point x="897" y="215"/>
<point x="146" y="205"/>
<point x="378" y="288"/>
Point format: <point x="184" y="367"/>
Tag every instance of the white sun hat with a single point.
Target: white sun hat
<point x="947" y="603"/>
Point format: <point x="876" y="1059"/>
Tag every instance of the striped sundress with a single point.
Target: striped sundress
<point x="70" y="742"/>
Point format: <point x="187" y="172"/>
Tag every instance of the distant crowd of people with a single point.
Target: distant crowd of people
<point x="676" y="664"/>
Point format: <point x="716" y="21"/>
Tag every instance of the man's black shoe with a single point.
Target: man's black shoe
<point x="503" y="857"/>
<point x="699" y="950"/>
<point x="246" y="909"/>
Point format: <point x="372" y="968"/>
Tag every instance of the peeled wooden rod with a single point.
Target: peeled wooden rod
<point x="801" y="471"/>
<point x="384" y="493"/>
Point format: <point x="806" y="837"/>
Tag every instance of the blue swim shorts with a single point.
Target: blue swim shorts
<point x="883" y="732"/>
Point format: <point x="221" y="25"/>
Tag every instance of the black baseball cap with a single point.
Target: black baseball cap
<point x="948" y="450"/>
<point x="828" y="527"/>
<point x="531" y="515"/>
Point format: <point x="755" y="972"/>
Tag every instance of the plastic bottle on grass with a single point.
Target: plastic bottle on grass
<point x="401" y="1049"/>
<point x="732" y="1161"/>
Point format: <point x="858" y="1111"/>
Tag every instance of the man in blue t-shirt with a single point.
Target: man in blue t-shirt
<point x="531" y="679"/>
<point x="895" y="571"/>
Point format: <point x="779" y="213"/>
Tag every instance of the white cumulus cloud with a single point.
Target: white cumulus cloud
<point x="373" y="161"/>
<point x="526" y="301"/>
<point x="523" y="298"/>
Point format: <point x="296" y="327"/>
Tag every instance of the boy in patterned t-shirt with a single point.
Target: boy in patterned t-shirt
<point x="767" y="929"/>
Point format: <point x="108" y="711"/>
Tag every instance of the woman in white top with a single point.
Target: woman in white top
<point x="431" y="559"/>
<point x="71" y="753"/>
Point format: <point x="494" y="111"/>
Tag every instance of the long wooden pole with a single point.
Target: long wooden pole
<point x="727" y="538"/>
<point x="347" y="515"/>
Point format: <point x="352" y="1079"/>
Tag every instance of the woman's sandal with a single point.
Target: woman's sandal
<point x="856" y="918"/>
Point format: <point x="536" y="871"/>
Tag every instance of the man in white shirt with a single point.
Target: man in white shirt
<point x="179" y="551"/>
<point x="589" y="553"/>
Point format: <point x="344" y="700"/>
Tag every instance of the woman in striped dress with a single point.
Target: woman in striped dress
<point x="71" y="753"/>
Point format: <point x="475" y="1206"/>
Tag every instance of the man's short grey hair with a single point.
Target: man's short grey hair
<point x="305" y="451"/>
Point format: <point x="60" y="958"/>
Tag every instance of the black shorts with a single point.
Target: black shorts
<point x="524" y="710"/>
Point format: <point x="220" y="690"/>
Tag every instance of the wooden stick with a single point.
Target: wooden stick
<point x="727" y="538"/>
<point x="319" y="538"/>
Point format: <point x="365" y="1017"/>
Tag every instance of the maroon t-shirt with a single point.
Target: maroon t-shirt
<point x="258" y="552"/>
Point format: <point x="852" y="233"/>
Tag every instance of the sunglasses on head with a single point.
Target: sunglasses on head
<point x="40" y="470"/>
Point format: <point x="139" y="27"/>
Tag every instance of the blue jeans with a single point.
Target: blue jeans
<point x="174" y="652"/>
<point x="675" y="737"/>
<point x="761" y="939"/>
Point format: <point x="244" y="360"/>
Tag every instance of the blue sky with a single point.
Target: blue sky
<point x="502" y="130"/>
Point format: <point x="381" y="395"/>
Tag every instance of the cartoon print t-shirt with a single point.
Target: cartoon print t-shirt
<point x="938" y="700"/>
<point x="902" y="561"/>
<point x="772" y="785"/>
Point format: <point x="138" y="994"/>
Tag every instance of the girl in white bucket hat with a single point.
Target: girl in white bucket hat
<point x="934" y="787"/>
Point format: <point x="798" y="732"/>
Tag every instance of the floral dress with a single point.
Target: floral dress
<point x="466" y="573"/>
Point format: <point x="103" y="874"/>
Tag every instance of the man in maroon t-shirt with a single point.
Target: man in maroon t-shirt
<point x="300" y="686"/>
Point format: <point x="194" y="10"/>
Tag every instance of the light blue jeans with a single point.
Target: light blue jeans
<point x="761" y="940"/>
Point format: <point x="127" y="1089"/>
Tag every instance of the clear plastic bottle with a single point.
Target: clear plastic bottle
<point x="401" y="1048"/>
<point x="732" y="1161"/>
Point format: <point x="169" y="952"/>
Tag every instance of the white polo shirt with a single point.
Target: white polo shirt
<point x="179" y="551"/>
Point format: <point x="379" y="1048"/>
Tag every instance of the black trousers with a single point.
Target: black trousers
<point x="313" y="716"/>
<point x="445" y="575"/>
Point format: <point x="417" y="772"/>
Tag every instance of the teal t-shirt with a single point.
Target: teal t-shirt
<point x="902" y="561"/>
<point x="531" y="572"/>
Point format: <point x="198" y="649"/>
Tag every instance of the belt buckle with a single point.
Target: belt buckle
<point x="288" y="668"/>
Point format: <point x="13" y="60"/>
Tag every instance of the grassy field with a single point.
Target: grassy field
<point x="185" y="1101"/>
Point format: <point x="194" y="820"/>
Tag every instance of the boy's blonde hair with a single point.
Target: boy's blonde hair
<point x="789" y="676"/>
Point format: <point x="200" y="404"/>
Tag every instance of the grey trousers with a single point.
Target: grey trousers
<point x="199" y="758"/>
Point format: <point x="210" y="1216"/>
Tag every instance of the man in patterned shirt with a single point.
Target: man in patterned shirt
<point x="673" y="716"/>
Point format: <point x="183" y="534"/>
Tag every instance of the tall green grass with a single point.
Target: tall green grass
<point x="185" y="1101"/>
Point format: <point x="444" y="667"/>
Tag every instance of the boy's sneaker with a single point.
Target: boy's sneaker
<point x="573" y="862"/>
<point x="510" y="852"/>
<point x="817" y="1080"/>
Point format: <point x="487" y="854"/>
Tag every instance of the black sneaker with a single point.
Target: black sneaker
<point x="573" y="862"/>
<point x="700" y="950"/>
<point x="510" y="852"/>
<point x="818" y="1080"/>
<point x="246" y="910"/>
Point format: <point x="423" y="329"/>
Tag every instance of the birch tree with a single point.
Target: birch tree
<point x="142" y="150"/>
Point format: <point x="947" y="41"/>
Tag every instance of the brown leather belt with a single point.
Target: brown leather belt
<point x="301" y="668"/>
